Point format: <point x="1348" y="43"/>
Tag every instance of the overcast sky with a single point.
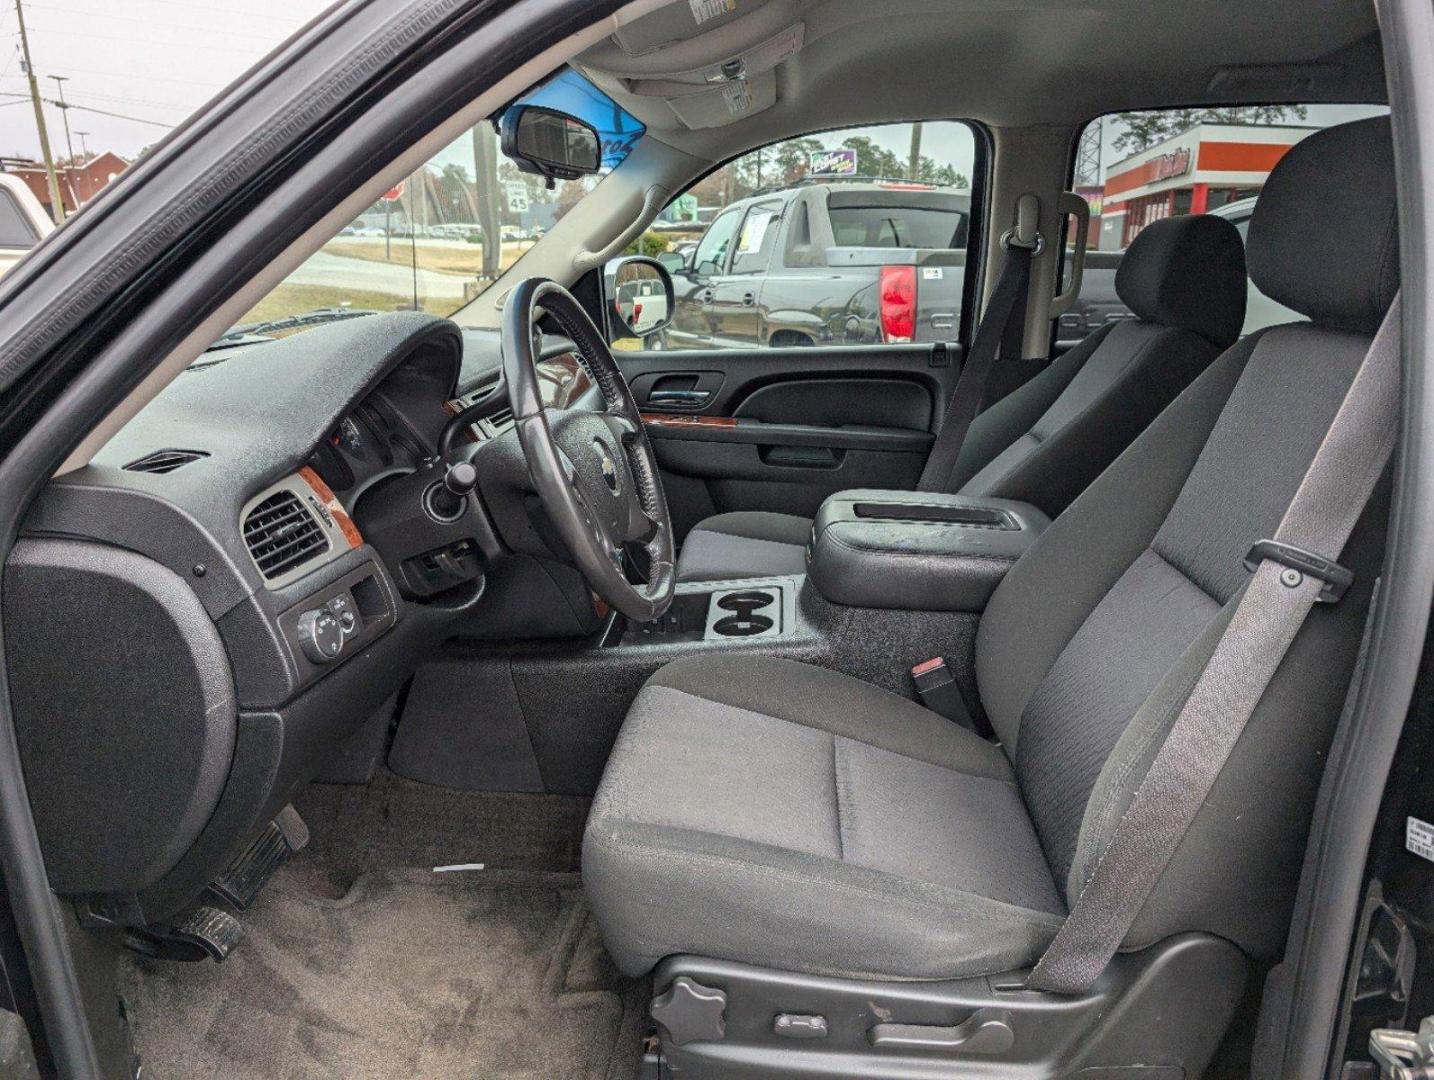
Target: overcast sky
<point x="156" y="60"/>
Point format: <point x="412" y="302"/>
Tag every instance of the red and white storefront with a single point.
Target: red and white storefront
<point x="1198" y="170"/>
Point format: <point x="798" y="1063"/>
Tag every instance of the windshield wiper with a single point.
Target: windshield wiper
<point x="255" y="332"/>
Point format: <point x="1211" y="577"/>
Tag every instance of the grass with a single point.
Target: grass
<point x="465" y="260"/>
<point x="289" y="299"/>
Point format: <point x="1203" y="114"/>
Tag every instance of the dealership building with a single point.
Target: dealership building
<point x="1198" y="170"/>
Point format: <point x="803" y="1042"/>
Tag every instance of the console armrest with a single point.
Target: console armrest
<point x="917" y="551"/>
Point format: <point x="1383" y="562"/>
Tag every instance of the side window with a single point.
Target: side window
<point x="756" y="237"/>
<point x="711" y="254"/>
<point x="15" y="229"/>
<point x="851" y="237"/>
<point x="1135" y="168"/>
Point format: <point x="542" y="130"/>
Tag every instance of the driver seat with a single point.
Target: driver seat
<point x="771" y="813"/>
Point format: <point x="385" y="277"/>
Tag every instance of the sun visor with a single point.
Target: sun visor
<point x="748" y="64"/>
<point x="726" y="103"/>
<point x="678" y="22"/>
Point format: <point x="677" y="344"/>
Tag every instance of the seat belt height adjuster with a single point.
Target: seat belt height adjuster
<point x="1298" y="562"/>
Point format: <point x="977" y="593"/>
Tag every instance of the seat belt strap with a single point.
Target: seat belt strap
<point x="1288" y="581"/>
<point x="1006" y="309"/>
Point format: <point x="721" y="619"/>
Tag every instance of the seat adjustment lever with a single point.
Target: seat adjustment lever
<point x="985" y="1031"/>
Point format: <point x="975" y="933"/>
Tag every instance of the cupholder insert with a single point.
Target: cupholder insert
<point x="743" y="624"/>
<point x="744" y="603"/>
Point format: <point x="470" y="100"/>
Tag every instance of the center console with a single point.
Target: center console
<point x="715" y="612"/>
<point x="917" y="551"/>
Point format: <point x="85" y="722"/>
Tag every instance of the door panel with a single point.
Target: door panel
<point x="781" y="429"/>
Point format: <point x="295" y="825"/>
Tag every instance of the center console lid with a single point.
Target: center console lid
<point x="917" y="551"/>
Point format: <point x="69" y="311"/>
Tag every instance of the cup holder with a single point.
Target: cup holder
<point x="744" y="620"/>
<point x="742" y="625"/>
<point x="744" y="603"/>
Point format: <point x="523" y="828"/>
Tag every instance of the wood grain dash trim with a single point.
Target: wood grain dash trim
<point x="335" y="508"/>
<point x="677" y="420"/>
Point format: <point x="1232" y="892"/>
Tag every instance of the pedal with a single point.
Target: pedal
<point x="203" y="932"/>
<point x="242" y="881"/>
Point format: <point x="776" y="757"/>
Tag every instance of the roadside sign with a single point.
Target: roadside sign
<point x="832" y="163"/>
<point x="394" y="193"/>
<point x="684" y="208"/>
<point x="517" y="196"/>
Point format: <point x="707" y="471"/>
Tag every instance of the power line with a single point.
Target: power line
<point x="91" y="109"/>
<point x="115" y="115"/>
<point x="47" y="31"/>
<point x="150" y="23"/>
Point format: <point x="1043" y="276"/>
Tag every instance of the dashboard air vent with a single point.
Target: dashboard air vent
<point x="165" y="461"/>
<point x="501" y="420"/>
<point x="281" y="533"/>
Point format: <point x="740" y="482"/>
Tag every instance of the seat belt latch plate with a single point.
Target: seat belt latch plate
<point x="1337" y="579"/>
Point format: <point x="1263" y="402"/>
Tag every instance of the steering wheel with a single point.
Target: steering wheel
<point x="594" y="472"/>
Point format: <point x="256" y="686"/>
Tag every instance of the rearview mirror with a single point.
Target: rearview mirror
<point x="552" y="144"/>
<point x="640" y="290"/>
<point x="675" y="262"/>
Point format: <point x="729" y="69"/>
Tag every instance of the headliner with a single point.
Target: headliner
<point x="1006" y="64"/>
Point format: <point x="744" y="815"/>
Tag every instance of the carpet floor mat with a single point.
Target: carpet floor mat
<point x="493" y="973"/>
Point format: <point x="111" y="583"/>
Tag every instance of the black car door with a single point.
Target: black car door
<point x="781" y="429"/>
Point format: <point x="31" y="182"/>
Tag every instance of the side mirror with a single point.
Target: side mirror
<point x="552" y="144"/>
<point x="674" y="262"/>
<point x="641" y="296"/>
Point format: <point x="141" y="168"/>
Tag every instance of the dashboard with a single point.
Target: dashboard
<point x="251" y="567"/>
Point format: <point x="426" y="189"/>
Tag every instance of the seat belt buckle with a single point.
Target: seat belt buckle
<point x="936" y="687"/>
<point x="1299" y="562"/>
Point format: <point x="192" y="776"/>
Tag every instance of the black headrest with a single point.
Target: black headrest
<point x="1324" y="237"/>
<point x="1187" y="272"/>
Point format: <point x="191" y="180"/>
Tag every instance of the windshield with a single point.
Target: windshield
<point x="436" y="241"/>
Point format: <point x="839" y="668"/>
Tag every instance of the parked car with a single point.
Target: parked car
<point x="824" y="263"/>
<point x="23" y="221"/>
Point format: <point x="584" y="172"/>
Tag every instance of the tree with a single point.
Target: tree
<point x="873" y="160"/>
<point x="790" y="159"/>
<point x="944" y="174"/>
<point x="1142" y="130"/>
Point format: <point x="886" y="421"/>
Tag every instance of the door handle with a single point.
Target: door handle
<point x="749" y="298"/>
<point x="707" y="295"/>
<point x="689" y="398"/>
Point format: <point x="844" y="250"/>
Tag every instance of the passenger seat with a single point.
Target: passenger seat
<point x="1183" y="277"/>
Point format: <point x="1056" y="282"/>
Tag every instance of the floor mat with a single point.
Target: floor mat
<point x="410" y="974"/>
<point x="401" y="823"/>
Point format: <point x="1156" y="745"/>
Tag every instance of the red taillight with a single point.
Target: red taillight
<point x="897" y="285"/>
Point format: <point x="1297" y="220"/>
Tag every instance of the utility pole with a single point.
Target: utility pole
<point x="60" y="81"/>
<point x="485" y="177"/>
<point x="913" y="164"/>
<point x="57" y="204"/>
<point x="84" y="147"/>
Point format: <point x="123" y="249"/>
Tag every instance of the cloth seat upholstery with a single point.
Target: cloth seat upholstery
<point x="759" y="810"/>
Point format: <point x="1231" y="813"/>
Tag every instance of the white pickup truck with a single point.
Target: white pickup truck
<point x="23" y="221"/>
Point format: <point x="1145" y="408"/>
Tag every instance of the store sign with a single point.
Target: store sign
<point x="1175" y="163"/>
<point x="832" y="163"/>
